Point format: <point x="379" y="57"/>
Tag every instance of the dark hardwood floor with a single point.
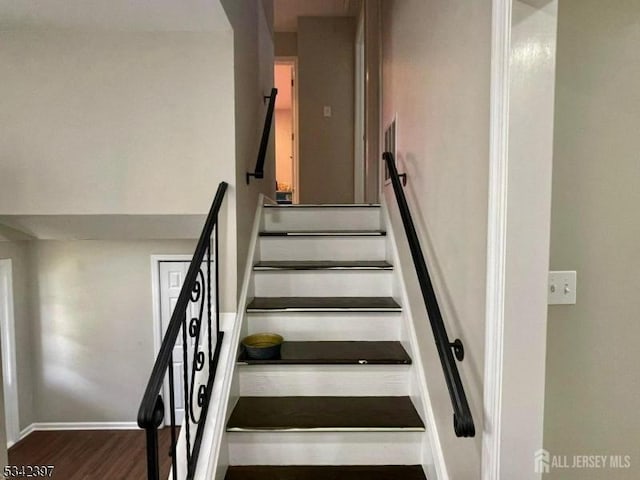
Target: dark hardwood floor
<point x="88" y="454"/>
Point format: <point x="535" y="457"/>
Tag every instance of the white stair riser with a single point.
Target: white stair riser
<point x="322" y="248"/>
<point x="327" y="283"/>
<point x="324" y="380"/>
<point x="328" y="326"/>
<point x="325" y="448"/>
<point x="334" y="218"/>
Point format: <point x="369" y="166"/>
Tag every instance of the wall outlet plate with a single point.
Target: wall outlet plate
<point x="562" y="287"/>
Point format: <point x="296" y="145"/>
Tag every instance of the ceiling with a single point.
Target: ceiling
<point x="119" y="15"/>
<point x="287" y="11"/>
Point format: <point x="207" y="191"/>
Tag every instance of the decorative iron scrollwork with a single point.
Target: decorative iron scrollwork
<point x="195" y="331"/>
<point x="200" y="348"/>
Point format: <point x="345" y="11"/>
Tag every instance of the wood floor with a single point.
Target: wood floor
<point x="81" y="455"/>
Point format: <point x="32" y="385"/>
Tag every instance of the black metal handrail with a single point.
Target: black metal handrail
<point x="264" y="141"/>
<point x="462" y="418"/>
<point x="199" y="355"/>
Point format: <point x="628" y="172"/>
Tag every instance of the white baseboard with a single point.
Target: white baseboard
<point x="214" y="441"/>
<point x="54" y="426"/>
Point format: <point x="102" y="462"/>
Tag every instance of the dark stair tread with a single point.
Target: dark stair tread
<point x="322" y="205"/>
<point x="323" y="233"/>
<point x="323" y="304"/>
<point x="325" y="413"/>
<point x="323" y="264"/>
<point x="321" y="472"/>
<point x="337" y="353"/>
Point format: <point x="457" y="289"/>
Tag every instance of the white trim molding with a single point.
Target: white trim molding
<point x="497" y="236"/>
<point x="524" y="36"/>
<point x="60" y="426"/>
<point x="433" y="462"/>
<point x="222" y="396"/>
<point x="50" y="426"/>
<point x="9" y="365"/>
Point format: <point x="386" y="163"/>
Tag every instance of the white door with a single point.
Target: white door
<point x="359" y="127"/>
<point x="172" y="275"/>
<point x="171" y="279"/>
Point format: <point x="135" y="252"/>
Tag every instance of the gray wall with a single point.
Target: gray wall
<point x="92" y="327"/>
<point x="326" y="58"/>
<point x="436" y="72"/>
<point x="286" y="44"/>
<point x="253" y="70"/>
<point x="593" y="378"/>
<point x="113" y="118"/>
<point x="372" y="101"/>
<point x="84" y="326"/>
<point x="99" y="135"/>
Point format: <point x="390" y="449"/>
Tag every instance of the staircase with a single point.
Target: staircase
<point x="339" y="403"/>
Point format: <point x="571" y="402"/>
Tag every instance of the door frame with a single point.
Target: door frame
<point x="359" y="149"/>
<point x="156" y="307"/>
<point x="293" y="61"/>
<point x="9" y="368"/>
<point x="519" y="220"/>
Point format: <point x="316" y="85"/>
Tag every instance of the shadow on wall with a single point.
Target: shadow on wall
<point x="456" y="326"/>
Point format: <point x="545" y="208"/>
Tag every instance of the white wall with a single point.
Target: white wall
<point x="436" y="70"/>
<point x="114" y="122"/>
<point x="593" y="378"/>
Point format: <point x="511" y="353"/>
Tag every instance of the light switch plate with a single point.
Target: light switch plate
<point x="326" y="111"/>
<point x="562" y="288"/>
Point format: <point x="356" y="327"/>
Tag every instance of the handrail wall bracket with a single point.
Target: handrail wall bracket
<point x="458" y="349"/>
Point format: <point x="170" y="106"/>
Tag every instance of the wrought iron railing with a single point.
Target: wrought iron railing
<point x="264" y="140"/>
<point x="462" y="418"/>
<point x="195" y="329"/>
